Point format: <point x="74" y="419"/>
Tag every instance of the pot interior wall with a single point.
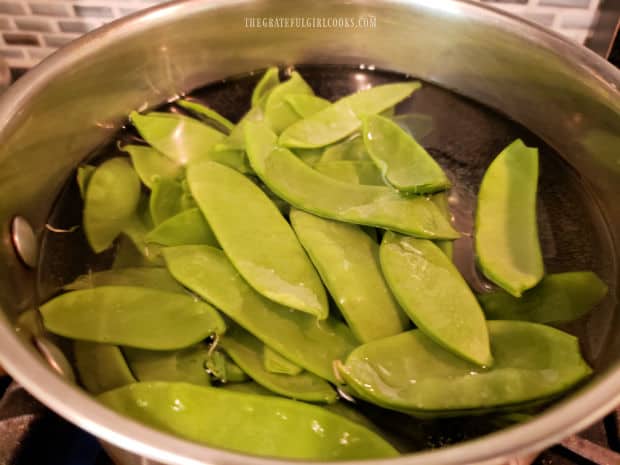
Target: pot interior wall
<point x="79" y="98"/>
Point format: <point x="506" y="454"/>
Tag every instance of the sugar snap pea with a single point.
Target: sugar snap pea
<point x="306" y="105"/>
<point x="278" y="113"/>
<point x="410" y="372"/>
<point x="356" y="172"/>
<point x="558" y="298"/>
<point x="435" y="295"/>
<point x="247" y="351"/>
<point x="183" y="365"/>
<point x="186" y="228"/>
<point x="403" y="162"/>
<point x="101" y="367"/>
<point x="506" y="232"/>
<point x="341" y="119"/>
<point x="255" y="424"/>
<point x="309" y="190"/>
<point x="260" y="243"/>
<point x="178" y="137"/>
<point x="310" y="343"/>
<point x="82" y="177"/>
<point x="222" y="367"/>
<point x="151" y="165"/>
<point x="269" y="80"/>
<point x="348" y="261"/>
<point x="273" y="362"/>
<point x="112" y="197"/>
<point x="205" y="112"/>
<point x="132" y="316"/>
<point x="154" y="278"/>
<point x="165" y="201"/>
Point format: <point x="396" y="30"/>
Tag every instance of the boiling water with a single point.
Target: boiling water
<point x="464" y="137"/>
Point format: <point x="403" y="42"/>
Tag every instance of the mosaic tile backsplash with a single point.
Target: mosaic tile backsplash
<point x="32" y="29"/>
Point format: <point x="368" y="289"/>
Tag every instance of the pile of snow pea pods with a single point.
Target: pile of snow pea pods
<point x="269" y="275"/>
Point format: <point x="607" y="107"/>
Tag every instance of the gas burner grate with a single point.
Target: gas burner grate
<point x="30" y="434"/>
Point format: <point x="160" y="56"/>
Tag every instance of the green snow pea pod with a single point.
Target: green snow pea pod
<point x="558" y="298"/>
<point x="127" y="255"/>
<point x="179" y="137"/>
<point x="259" y="242"/>
<point x="247" y="423"/>
<point x="250" y="387"/>
<point x="247" y="352"/>
<point x="82" y="177"/>
<point x="418" y="125"/>
<point x="355" y="172"/>
<point x="273" y="362"/>
<point x="310" y="343"/>
<point x="132" y="316"/>
<point x="436" y="297"/>
<point x="136" y="230"/>
<point x="352" y="149"/>
<point x="165" y="200"/>
<point x="348" y="261"/>
<point x="410" y="372"/>
<point x="101" y="367"/>
<point x="306" y="105"/>
<point x="269" y="80"/>
<point x="222" y="367"/>
<point x="341" y="119"/>
<point x="314" y="192"/>
<point x="111" y="199"/>
<point x="236" y="138"/>
<point x="154" y="278"/>
<point x="506" y="232"/>
<point x="441" y="200"/>
<point x="151" y="165"/>
<point x="234" y="158"/>
<point x="278" y="113"/>
<point x="184" y="365"/>
<point x="403" y="162"/>
<point x="206" y="112"/>
<point x="186" y="228"/>
<point x="309" y="156"/>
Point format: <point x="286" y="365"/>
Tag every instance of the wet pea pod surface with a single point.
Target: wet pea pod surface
<point x="290" y="353"/>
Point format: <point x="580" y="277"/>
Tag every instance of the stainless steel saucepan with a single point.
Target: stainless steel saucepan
<point x="76" y="99"/>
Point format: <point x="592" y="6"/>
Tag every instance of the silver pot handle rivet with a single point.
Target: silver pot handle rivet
<point x="24" y="241"/>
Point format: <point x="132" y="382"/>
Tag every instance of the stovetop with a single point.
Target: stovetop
<point x="30" y="434"/>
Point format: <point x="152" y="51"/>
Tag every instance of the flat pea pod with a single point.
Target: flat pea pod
<point x="435" y="296"/>
<point x="558" y="298"/>
<point x="82" y="177"/>
<point x="234" y="158"/>
<point x="101" y="367"/>
<point x="136" y="230"/>
<point x="352" y="149"/>
<point x="186" y="228"/>
<point x="179" y="137"/>
<point x="314" y="192"/>
<point x="260" y="243"/>
<point x="111" y="199"/>
<point x="267" y="82"/>
<point x="309" y="156"/>
<point x="184" y="365"/>
<point x="410" y="372"/>
<point x="248" y="423"/>
<point x="278" y="113"/>
<point x="127" y="255"/>
<point x="402" y="161"/>
<point x="418" y="125"/>
<point x="166" y="200"/>
<point x="306" y="105"/>
<point x="341" y="119"/>
<point x="236" y="139"/>
<point x="247" y="352"/>
<point x="348" y="261"/>
<point x="151" y="164"/>
<point x="206" y="112"/>
<point x="132" y="316"/>
<point x="441" y="200"/>
<point x="249" y="387"/>
<point x="273" y="362"/>
<point x="154" y="278"/>
<point x="310" y="343"/>
<point x="223" y="368"/>
<point x="506" y="232"/>
<point x="355" y="172"/>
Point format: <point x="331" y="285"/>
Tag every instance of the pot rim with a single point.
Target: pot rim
<point x="569" y="416"/>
